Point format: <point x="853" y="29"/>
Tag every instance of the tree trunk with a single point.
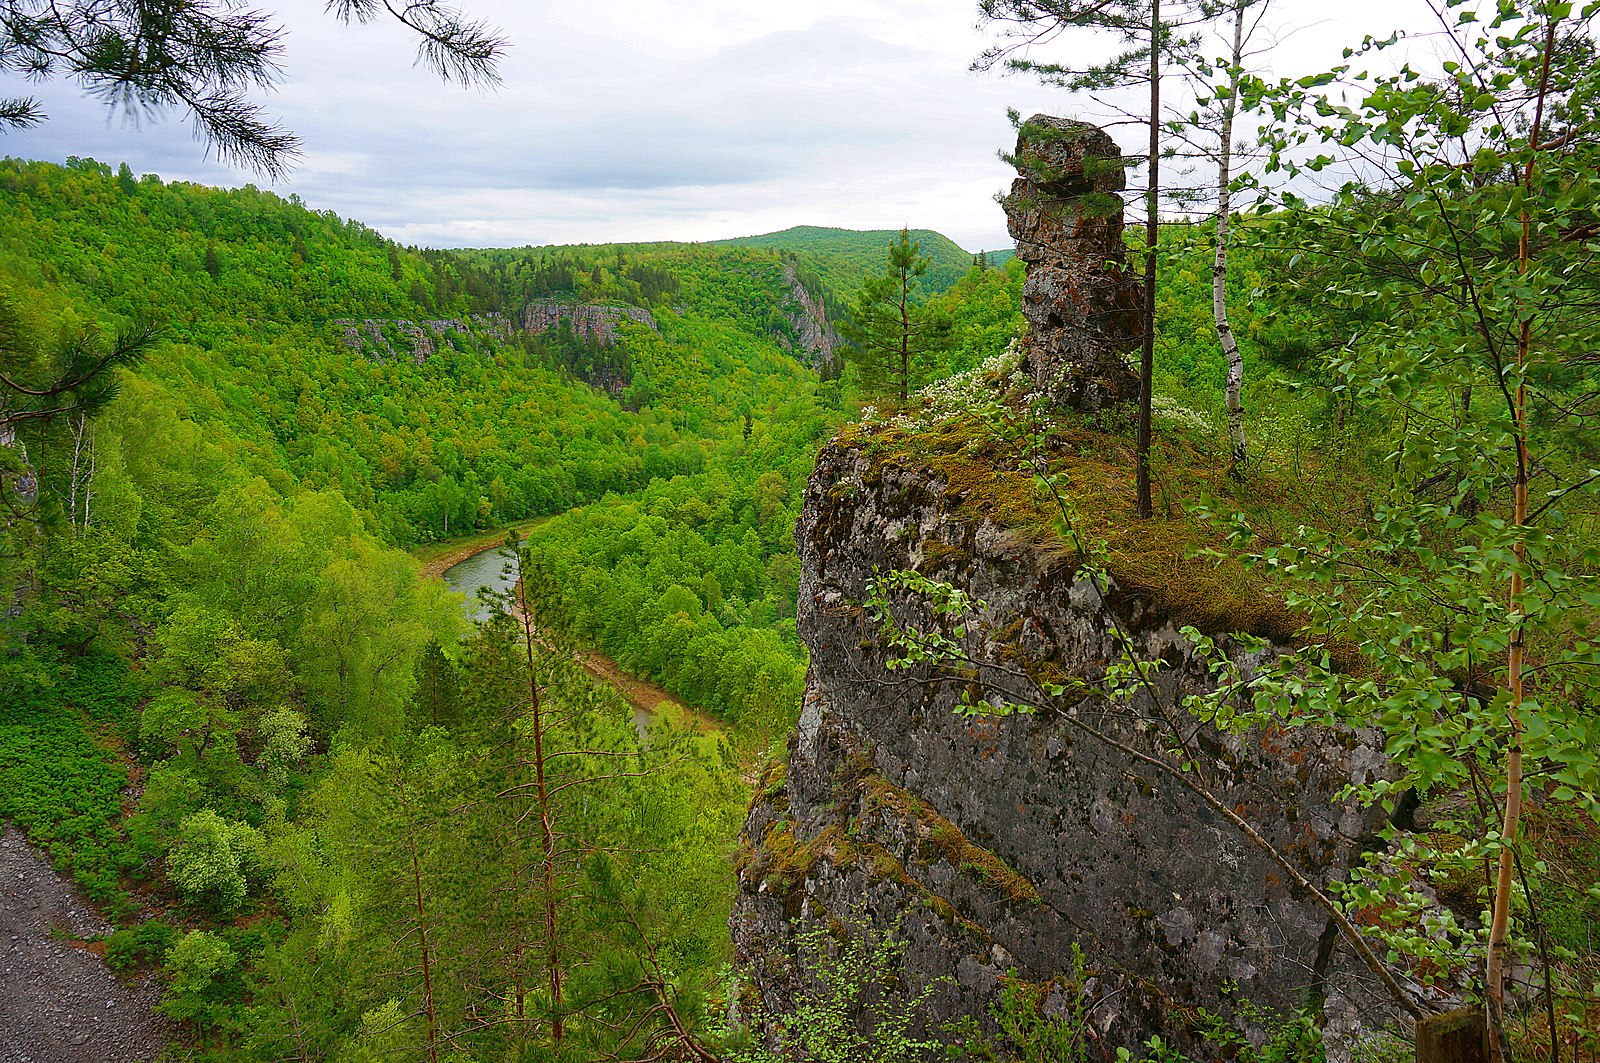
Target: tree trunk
<point x="905" y="334"/>
<point x="75" y="476"/>
<point x="427" y="960"/>
<point x="1219" y="270"/>
<point x="547" y="835"/>
<point x="1499" y="945"/>
<point x="1147" y="361"/>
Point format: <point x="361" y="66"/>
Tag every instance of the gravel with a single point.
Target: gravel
<point x="59" y="1002"/>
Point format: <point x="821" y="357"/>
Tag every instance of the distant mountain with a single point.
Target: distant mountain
<point x="1000" y="256"/>
<point x="845" y="257"/>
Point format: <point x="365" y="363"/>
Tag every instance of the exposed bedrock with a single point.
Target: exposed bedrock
<point x="1080" y="298"/>
<point x="601" y="324"/>
<point x="995" y="844"/>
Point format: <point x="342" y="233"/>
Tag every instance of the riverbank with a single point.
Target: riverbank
<point x="436" y="557"/>
<point x="59" y="1002"/>
<point x="642" y="695"/>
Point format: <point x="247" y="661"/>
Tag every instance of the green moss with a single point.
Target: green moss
<point x="937" y="555"/>
<point x="786" y="861"/>
<point x="1052" y="673"/>
<point x="774" y="779"/>
<point x="968" y="472"/>
<point x="947" y="842"/>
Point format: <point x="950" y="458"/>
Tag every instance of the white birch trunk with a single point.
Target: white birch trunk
<point x="1219" y="269"/>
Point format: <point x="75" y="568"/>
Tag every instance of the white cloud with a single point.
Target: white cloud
<point x="694" y="119"/>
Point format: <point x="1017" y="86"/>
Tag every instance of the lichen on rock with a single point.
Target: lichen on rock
<point x="1080" y="299"/>
<point x="998" y="844"/>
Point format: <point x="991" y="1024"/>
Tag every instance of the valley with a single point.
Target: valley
<point x="1099" y="651"/>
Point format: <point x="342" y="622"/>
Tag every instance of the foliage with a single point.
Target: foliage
<point x="202" y="980"/>
<point x="852" y="1002"/>
<point x="376" y="869"/>
<point x="58" y="784"/>
<point x="1026" y="1032"/>
<point x="888" y="331"/>
<point x="202" y="56"/>
<point x="845" y="258"/>
<point x="211" y="859"/>
<point x="142" y="945"/>
<point x="1465" y="223"/>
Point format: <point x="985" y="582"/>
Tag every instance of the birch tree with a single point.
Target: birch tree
<point x="1471" y="220"/>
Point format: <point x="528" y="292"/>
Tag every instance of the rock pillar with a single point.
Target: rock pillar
<point x="1080" y="299"/>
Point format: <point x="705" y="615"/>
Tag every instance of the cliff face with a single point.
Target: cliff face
<point x="816" y="337"/>
<point x="389" y="339"/>
<point x="1015" y="842"/>
<point x="592" y="322"/>
<point x="997" y="844"/>
<point x="417" y="341"/>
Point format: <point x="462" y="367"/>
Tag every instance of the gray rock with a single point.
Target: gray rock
<point x="998" y="844"/>
<point x="1080" y="298"/>
<point x="594" y="322"/>
<point x="819" y="341"/>
<point x="45" y="995"/>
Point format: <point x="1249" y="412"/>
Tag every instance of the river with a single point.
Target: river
<point x="490" y="568"/>
<point x="493" y="569"/>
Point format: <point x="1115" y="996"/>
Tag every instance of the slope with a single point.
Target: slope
<point x="843" y="258"/>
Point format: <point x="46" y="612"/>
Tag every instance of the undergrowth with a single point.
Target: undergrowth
<point x="60" y="779"/>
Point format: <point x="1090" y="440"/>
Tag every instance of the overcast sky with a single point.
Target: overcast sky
<point x="651" y="119"/>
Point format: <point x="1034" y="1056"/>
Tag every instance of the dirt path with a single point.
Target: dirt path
<point x="59" y="1003"/>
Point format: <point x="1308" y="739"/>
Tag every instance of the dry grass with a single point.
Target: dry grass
<point x="978" y="473"/>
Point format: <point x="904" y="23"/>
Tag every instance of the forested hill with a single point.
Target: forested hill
<point x="251" y="292"/>
<point x="207" y="612"/>
<point x="845" y="257"/>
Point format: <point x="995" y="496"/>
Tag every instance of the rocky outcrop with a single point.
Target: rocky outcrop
<point x="1080" y="299"/>
<point x="390" y="339"/>
<point x="591" y="322"/>
<point x="814" y="335"/>
<point x="996" y="844"/>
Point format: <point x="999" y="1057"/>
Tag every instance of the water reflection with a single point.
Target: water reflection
<point x="495" y="568"/>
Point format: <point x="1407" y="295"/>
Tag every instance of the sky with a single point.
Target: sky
<point x="651" y="119"/>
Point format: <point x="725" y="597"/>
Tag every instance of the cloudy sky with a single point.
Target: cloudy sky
<point x="649" y="119"/>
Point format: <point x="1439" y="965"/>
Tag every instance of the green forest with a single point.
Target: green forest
<point x="332" y="818"/>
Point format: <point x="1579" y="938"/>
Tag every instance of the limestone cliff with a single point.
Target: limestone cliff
<point x="597" y="323"/>
<point x="814" y="335"/>
<point x="398" y="338"/>
<point x="997" y="844"/>
<point x="1003" y="843"/>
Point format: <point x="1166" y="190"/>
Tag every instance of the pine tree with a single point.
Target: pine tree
<point x="888" y="329"/>
<point x="1150" y="45"/>
<point x="199" y="55"/>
